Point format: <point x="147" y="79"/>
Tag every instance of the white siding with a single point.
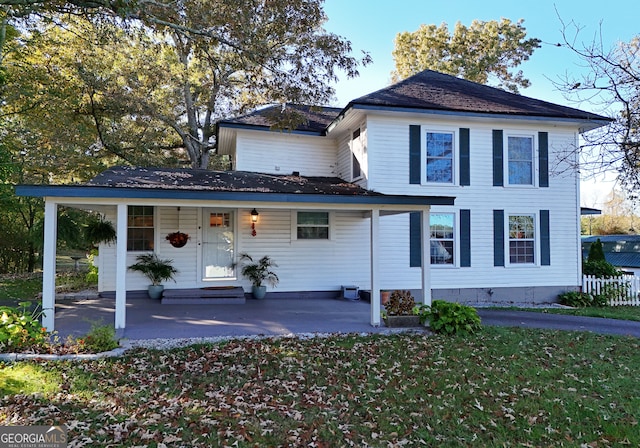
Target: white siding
<point x="344" y="260"/>
<point x="310" y="265"/>
<point x="303" y="265"/>
<point x="283" y="153"/>
<point x="389" y="173"/>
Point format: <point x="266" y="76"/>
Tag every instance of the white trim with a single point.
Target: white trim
<point x="455" y="157"/>
<point x="535" y="175"/>
<point x="426" y="256"/>
<point x="121" y="266"/>
<point x="536" y="240"/>
<point x="294" y="226"/>
<point x="156" y="230"/>
<point x="235" y="217"/>
<point x="49" y="265"/>
<point x="375" y="267"/>
<point x="360" y="155"/>
<point x="456" y="239"/>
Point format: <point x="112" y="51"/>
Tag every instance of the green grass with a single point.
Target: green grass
<point x="610" y="312"/>
<point x="27" y="286"/>
<point x="23" y="287"/>
<point x="501" y="387"/>
<point x="28" y="378"/>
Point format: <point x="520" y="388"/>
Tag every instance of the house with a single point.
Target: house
<point x="480" y="179"/>
<point x="622" y="251"/>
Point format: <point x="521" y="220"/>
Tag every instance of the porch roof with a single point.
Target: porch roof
<point x="188" y="184"/>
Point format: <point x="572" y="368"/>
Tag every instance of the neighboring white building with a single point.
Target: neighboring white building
<point x="480" y="178"/>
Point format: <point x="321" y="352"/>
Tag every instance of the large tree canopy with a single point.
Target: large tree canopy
<point x="484" y="52"/>
<point x="610" y="83"/>
<point x="159" y="83"/>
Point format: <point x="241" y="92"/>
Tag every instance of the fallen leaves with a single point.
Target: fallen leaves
<point x="503" y="387"/>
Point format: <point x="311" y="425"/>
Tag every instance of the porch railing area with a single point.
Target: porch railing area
<point x="624" y="290"/>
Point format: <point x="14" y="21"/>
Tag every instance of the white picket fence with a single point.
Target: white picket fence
<point x="626" y="288"/>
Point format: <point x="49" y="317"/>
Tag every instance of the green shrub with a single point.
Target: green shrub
<point x="596" y="251"/>
<point x="600" y="269"/>
<point x="20" y="328"/>
<point x="101" y="338"/>
<point x="92" y="275"/>
<point x="448" y="317"/>
<point x="575" y="299"/>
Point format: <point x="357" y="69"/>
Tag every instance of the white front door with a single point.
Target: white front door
<point x="218" y="244"/>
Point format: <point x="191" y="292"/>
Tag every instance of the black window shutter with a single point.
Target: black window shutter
<point x="465" y="238"/>
<point x="543" y="158"/>
<point x="415" y="240"/>
<point x="414" y="154"/>
<point x="498" y="237"/>
<point x="498" y="154"/>
<point x="545" y="239"/>
<point x="465" y="160"/>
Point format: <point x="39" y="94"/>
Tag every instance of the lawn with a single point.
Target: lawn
<point x="501" y="387"/>
<point x="20" y="287"/>
<point x="610" y="312"/>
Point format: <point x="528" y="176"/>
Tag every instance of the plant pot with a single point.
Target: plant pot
<point x="402" y="321"/>
<point x="384" y="297"/>
<point x="259" y="292"/>
<point x="155" y="291"/>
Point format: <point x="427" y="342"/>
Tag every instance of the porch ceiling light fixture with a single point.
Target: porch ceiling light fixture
<point x="254" y="220"/>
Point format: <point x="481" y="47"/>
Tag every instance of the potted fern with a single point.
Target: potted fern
<point x="156" y="270"/>
<point x="259" y="272"/>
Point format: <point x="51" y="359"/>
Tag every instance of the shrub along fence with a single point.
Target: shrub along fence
<point x="623" y="290"/>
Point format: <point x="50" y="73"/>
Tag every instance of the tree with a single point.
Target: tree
<point x="184" y="65"/>
<point x="483" y="52"/>
<point x="610" y="84"/>
<point x="596" y="252"/>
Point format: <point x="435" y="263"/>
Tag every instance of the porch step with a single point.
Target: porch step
<point x="204" y="296"/>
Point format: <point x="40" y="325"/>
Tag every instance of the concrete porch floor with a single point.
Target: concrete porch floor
<point x="148" y="319"/>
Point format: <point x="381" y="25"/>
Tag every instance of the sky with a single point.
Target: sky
<point x="372" y="25"/>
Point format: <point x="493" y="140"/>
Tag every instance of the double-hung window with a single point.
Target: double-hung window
<point x="312" y="226"/>
<point x="522" y="239"/>
<point x="439" y="157"/>
<point x="520" y="159"/>
<point x="140" y="228"/>
<point x="442" y="238"/>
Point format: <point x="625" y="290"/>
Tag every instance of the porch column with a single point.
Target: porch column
<point x="121" y="267"/>
<point x="49" y="265"/>
<point x="425" y="251"/>
<point x="375" y="268"/>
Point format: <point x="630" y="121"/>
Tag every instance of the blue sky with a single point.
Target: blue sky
<point x="371" y="25"/>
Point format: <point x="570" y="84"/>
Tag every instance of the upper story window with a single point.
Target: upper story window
<point x="357" y="153"/>
<point x="521" y="239"/>
<point x="439" y="157"/>
<point x="442" y="238"/>
<point x="312" y="226"/>
<point x="140" y="228"/>
<point x="520" y="159"/>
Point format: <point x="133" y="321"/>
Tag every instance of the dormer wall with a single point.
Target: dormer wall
<point x="282" y="153"/>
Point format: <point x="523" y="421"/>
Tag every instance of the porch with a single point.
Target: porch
<point x="149" y="319"/>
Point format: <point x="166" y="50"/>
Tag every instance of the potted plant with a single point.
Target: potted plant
<point x="258" y="273"/>
<point x="399" y="310"/>
<point x="178" y="239"/>
<point x="156" y="270"/>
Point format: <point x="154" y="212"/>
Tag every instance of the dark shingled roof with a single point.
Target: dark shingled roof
<point x="437" y="91"/>
<point x="232" y="181"/>
<point x="314" y="119"/>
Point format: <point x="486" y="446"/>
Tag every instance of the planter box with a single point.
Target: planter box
<point x="402" y="321"/>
